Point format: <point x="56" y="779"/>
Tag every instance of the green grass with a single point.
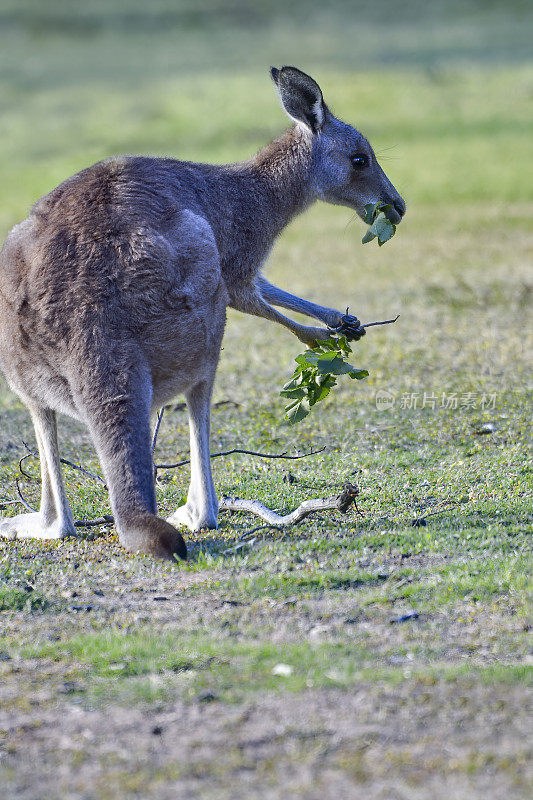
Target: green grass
<point x="20" y="600"/>
<point x="191" y="664"/>
<point x="443" y="90"/>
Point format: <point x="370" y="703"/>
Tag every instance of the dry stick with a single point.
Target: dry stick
<point x="93" y="475"/>
<point x="23" y="499"/>
<point x="441" y="509"/>
<point x="5" y="503"/>
<point x="157" y="426"/>
<point x="245" y="539"/>
<point x="383" y="322"/>
<point x="341" y="503"/>
<point x="107" y="519"/>
<point x="246" y="535"/>
<point x="79" y="523"/>
<point x="247" y="453"/>
<point x="154" y="439"/>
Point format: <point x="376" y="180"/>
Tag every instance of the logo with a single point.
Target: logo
<point x="384" y="400"/>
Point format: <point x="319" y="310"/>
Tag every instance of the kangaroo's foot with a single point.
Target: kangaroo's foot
<point x="31" y="526"/>
<point x="193" y="518"/>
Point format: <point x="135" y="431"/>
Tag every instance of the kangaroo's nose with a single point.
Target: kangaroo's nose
<point x="399" y="205"/>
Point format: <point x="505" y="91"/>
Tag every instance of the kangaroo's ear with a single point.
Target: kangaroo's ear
<point x="301" y="96"/>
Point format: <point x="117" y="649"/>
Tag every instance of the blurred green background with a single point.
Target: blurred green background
<point x="446" y="85"/>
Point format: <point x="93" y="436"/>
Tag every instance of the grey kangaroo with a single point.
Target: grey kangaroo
<point x="113" y="297"/>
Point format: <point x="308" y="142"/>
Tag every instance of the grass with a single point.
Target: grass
<point x="12" y="599"/>
<point x="197" y="666"/>
<point x="444" y="466"/>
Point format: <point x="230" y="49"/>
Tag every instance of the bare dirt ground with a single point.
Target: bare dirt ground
<point x="411" y="734"/>
<point x="414" y="742"/>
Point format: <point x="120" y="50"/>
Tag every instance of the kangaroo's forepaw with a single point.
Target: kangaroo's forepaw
<point x="311" y="336"/>
<point x="350" y="327"/>
<point x="30" y="526"/>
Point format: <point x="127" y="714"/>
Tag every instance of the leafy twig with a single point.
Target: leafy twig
<point x="315" y="376"/>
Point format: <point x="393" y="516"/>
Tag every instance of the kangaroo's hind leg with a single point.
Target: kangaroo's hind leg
<point x="201" y="508"/>
<point x="54" y="519"/>
<point x="116" y="408"/>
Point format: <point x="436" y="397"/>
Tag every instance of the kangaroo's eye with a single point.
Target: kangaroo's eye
<point x="359" y="160"/>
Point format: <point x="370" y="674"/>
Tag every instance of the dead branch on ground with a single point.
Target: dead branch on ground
<point x="106" y="519"/>
<point x="341" y="502"/>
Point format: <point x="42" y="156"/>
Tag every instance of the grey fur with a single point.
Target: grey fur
<point x="113" y="297"/>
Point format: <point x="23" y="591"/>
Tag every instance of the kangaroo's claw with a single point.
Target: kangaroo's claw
<point x="350" y="327"/>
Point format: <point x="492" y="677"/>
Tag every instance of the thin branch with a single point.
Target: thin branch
<point x="23" y="499"/>
<point x="93" y="475"/>
<point x="341" y="503"/>
<point x="233" y="451"/>
<point x="67" y="463"/>
<point x="383" y="322"/>
<point x="157" y="426"/>
<point x="22" y="472"/>
<point x="246" y="540"/>
<point x="154" y="440"/>
<point x="347" y="328"/>
<point x="247" y="534"/>
<point x="6" y="503"/>
<point x="240" y="544"/>
<point x="247" y="453"/>
<point x="419" y="522"/>
<point x="79" y="523"/>
<point x="107" y="519"/>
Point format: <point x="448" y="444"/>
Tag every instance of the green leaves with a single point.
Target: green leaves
<point x="319" y="367"/>
<point x="315" y="376"/>
<point x="377" y="216"/>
